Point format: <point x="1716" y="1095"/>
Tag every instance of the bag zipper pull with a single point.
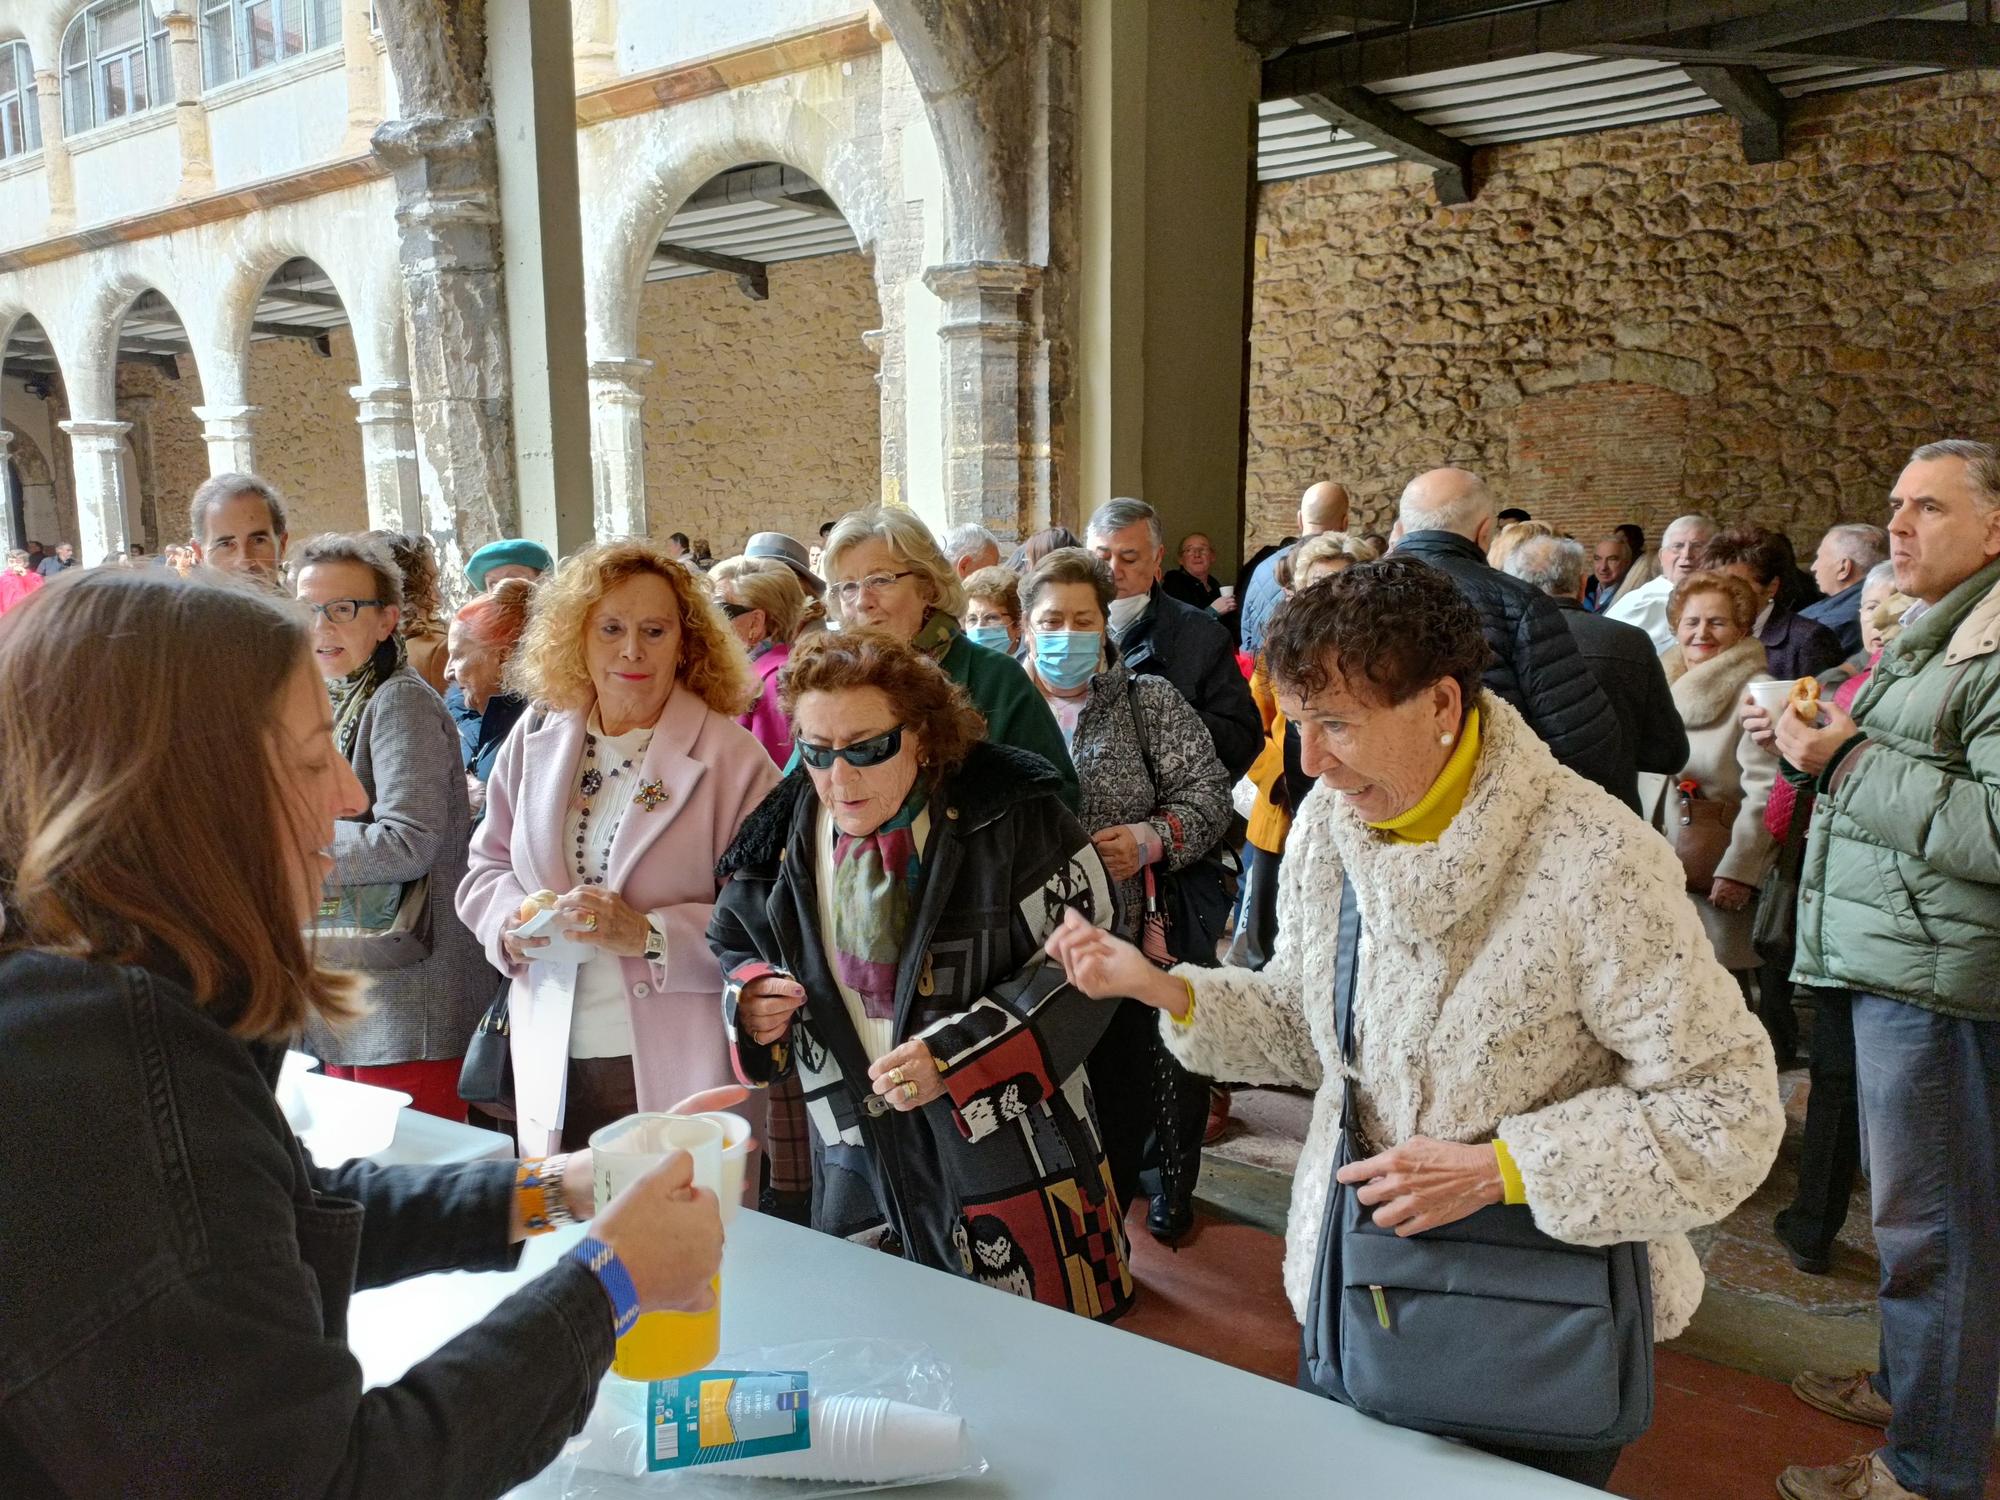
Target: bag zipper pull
<point x="1381" y="1305"/>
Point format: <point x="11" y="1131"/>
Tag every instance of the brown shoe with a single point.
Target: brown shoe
<point x="1862" y="1478"/>
<point x="1849" y="1397"/>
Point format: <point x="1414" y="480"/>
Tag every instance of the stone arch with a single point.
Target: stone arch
<point x="691" y="144"/>
<point x="370" y="294"/>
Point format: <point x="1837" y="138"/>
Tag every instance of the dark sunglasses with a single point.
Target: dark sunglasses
<point x="861" y="754"/>
<point x="736" y="611"/>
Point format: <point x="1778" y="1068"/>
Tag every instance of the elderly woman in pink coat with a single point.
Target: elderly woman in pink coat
<point x="615" y="794"/>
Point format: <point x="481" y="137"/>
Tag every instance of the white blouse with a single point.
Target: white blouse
<point x="601" y="1021"/>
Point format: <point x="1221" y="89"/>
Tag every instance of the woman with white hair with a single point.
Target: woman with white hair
<point x="767" y="608"/>
<point x="884" y="571"/>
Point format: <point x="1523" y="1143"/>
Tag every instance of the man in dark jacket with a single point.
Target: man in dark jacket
<point x="1793" y="645"/>
<point x="1159" y="635"/>
<point x="1899" y="902"/>
<point x="1620" y="656"/>
<point x="1840" y="568"/>
<point x="1448" y="518"/>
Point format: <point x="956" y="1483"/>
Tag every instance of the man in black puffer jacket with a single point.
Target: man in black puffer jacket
<point x="1447" y="516"/>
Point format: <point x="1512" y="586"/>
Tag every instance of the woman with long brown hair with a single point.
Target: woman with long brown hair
<point x="182" y="1269"/>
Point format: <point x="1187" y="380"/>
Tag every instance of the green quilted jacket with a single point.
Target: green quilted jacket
<point x="1900" y="895"/>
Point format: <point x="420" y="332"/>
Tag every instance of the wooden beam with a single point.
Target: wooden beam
<point x="300" y="297"/>
<point x="1563" y="26"/>
<point x="302" y="331"/>
<point x="163" y="363"/>
<point x="1885" y="44"/>
<point x="1759" y="109"/>
<point x="751" y="275"/>
<point x="1797" y="23"/>
<point x="1375" y="120"/>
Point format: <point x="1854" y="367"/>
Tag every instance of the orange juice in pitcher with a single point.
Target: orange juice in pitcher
<point x="661" y="1345"/>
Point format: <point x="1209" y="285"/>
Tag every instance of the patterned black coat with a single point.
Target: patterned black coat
<point x="1003" y="1177"/>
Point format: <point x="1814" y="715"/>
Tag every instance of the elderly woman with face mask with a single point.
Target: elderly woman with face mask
<point x="408" y="846"/>
<point x="1537" y="1018"/>
<point x="881" y="936"/>
<point x="884" y="572"/>
<point x="611" y="802"/>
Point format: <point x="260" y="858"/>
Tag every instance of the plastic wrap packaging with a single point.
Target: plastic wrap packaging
<point x="883" y="1417"/>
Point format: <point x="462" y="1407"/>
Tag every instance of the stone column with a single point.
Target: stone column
<point x="9" y="541"/>
<point x="55" y="153"/>
<point x="993" y="473"/>
<point x="594" y="33"/>
<point x="389" y="456"/>
<point x="364" y="76"/>
<point x="448" y="215"/>
<point x="190" y="114"/>
<point x="98" y="449"/>
<point x="227" y="431"/>
<point x="618" y="446"/>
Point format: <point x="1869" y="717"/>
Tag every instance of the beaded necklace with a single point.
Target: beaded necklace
<point x="595" y="780"/>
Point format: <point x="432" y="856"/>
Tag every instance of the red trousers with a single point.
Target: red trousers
<point x="432" y="1086"/>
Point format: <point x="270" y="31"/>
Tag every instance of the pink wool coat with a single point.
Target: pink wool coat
<point x="712" y="774"/>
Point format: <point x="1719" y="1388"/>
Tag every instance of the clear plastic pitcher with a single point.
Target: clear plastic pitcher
<point x="661" y="1345"/>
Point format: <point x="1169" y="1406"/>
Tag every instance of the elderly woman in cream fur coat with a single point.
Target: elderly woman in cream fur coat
<point x="1539" y="1017"/>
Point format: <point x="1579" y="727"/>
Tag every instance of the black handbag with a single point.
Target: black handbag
<point x="487" y="1074"/>
<point x="1189" y="908"/>
<point x="1485" y="1329"/>
<point x="1774" y="929"/>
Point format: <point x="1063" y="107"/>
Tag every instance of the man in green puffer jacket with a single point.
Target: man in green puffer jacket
<point x="1900" y="903"/>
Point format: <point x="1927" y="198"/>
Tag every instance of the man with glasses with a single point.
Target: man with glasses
<point x="1159" y="635"/>
<point x="237" y="522"/>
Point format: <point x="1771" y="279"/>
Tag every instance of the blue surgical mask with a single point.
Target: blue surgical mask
<point x="1067" y="659"/>
<point x="992" y="637"/>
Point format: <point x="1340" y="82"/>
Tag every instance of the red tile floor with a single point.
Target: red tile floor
<point x="1718" y="1433"/>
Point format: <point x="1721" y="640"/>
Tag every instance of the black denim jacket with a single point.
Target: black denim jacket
<point x="176" y="1275"/>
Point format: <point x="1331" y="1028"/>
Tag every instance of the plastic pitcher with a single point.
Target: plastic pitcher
<point x="661" y="1345"/>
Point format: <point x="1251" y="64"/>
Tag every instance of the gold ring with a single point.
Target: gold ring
<point x="590" y="922"/>
<point x="909" y="1091"/>
<point x="895" y="1075"/>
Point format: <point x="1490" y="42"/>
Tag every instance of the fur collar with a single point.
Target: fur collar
<point x="993" y="779"/>
<point x="1705" y="693"/>
<point x="1430" y="888"/>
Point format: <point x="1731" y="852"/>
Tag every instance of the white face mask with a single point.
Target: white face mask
<point x="1125" y="611"/>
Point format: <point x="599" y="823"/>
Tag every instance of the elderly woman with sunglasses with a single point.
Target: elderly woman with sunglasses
<point x="880" y="937"/>
<point x="884" y="572"/>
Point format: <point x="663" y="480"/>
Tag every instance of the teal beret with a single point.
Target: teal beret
<point x="512" y="550"/>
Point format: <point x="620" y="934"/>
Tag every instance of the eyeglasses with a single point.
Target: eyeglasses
<point x="874" y="583"/>
<point x="736" y="611"/>
<point x="861" y="754"/>
<point x="342" y="611"/>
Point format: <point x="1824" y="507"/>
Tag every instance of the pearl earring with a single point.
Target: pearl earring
<point x="1444" y="739"/>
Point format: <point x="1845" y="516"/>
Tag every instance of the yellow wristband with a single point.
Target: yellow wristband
<point x="1512" y="1189"/>
<point x="1186" y="1018"/>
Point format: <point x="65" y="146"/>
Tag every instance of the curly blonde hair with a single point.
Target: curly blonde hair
<point x="551" y="667"/>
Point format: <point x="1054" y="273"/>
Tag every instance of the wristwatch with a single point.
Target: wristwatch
<point x="656" y="941"/>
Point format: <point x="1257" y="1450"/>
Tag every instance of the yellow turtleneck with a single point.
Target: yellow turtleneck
<point x="1426" y="822"/>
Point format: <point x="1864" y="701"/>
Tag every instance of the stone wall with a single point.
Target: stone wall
<point x="761" y="416"/>
<point x="179" y="456"/>
<point x="308" y="443"/>
<point x="1627" y="325"/>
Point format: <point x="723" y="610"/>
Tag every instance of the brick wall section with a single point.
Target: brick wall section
<point x="308" y="443"/>
<point x="761" y="416"/>
<point x="1636" y="323"/>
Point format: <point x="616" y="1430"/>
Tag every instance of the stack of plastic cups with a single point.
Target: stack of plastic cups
<point x="867" y="1440"/>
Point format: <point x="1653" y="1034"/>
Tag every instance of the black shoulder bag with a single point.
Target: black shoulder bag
<point x="1192" y="905"/>
<point x="1486" y="1329"/>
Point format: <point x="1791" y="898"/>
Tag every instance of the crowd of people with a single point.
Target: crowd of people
<point x="978" y="872"/>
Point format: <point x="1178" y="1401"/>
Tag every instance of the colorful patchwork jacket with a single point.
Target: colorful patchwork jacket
<point x="1003" y="1177"/>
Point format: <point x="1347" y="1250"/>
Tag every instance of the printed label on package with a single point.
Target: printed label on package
<point x="716" y="1415"/>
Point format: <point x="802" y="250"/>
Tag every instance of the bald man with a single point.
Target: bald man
<point x="1448" y="518"/>
<point x="1323" y="507"/>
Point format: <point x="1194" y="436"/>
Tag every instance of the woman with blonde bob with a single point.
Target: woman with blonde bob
<point x="611" y="802"/>
<point x="884" y="572"/>
<point x="767" y="608"/>
<point x="162" y="845"/>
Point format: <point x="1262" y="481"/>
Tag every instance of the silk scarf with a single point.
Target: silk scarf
<point x="875" y="880"/>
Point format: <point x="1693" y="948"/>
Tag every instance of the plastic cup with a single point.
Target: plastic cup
<point x="867" y="1439"/>
<point x="735" y="1159"/>
<point x="661" y="1345"/>
<point x="1228" y="590"/>
<point x="1772" y="696"/>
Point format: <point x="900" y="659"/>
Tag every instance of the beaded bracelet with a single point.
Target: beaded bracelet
<point x="602" y="1262"/>
<point x="538" y="1187"/>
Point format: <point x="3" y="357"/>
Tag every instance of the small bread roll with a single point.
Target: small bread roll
<point x="540" y="901"/>
<point x="1805" y="699"/>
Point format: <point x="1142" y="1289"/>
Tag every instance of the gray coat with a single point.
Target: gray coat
<point x="418" y="823"/>
<point x="1188" y="810"/>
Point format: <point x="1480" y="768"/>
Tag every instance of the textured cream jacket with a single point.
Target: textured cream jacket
<point x="1538" y="974"/>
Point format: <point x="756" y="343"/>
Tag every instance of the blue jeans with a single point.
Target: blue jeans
<point x="1930" y="1128"/>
